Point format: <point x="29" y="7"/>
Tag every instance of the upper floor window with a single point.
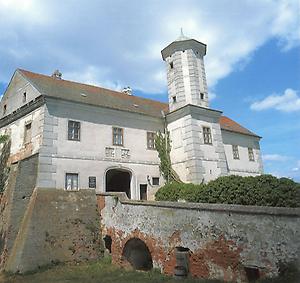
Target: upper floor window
<point x="151" y="140"/>
<point x="73" y="130"/>
<point x="27" y="133"/>
<point x="118" y="136"/>
<point x="24" y="97"/>
<point x="4" y="109"/>
<point x="201" y="95"/>
<point x="250" y="154"/>
<point x="71" y="182"/>
<point x="207" y="135"/>
<point x="235" y="152"/>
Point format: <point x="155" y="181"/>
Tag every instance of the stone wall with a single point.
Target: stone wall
<point x="45" y="226"/>
<point x="58" y="226"/>
<point x="224" y="241"/>
<point x="14" y="201"/>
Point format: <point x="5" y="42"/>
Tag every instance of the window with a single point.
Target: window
<point x="24" y="97"/>
<point x="71" y="182"/>
<point x="251" y="154"/>
<point x="174" y="99"/>
<point x="27" y="133"/>
<point x="207" y="135"/>
<point x="151" y="140"/>
<point x="202" y="96"/>
<point x="73" y="130"/>
<point x="143" y="191"/>
<point x="4" y="109"/>
<point x="235" y="152"/>
<point x="171" y="65"/>
<point x="155" y="181"/>
<point x="92" y="182"/>
<point x="117" y="136"/>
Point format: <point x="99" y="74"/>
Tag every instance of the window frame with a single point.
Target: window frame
<point x="122" y="136"/>
<point x="235" y="152"/>
<point x="206" y="135"/>
<point x="79" y="131"/>
<point x="24" y="97"/>
<point x="156" y="179"/>
<point x="149" y="138"/>
<point x="251" y="154"/>
<point x="27" y="130"/>
<point x="66" y="181"/>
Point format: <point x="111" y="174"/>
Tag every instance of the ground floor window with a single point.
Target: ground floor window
<point x="71" y="181"/>
<point x="155" y="181"/>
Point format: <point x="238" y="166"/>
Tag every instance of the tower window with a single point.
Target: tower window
<point x="171" y="65"/>
<point x="174" y="99"/>
<point x="202" y="96"/>
<point x="4" y="109"/>
<point x="207" y="135"/>
<point x="24" y="97"/>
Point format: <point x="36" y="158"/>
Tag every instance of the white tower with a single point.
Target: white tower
<point x="186" y="72"/>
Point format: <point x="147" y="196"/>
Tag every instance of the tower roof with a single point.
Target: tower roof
<point x="184" y="43"/>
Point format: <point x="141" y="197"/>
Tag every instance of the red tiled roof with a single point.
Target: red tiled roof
<point x="232" y="126"/>
<point x="68" y="90"/>
<point x="99" y="96"/>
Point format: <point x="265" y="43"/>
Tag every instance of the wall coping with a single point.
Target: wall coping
<point x="230" y="208"/>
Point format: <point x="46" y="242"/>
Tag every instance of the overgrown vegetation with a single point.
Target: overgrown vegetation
<point x="163" y="147"/>
<point x="264" y="190"/>
<point x="5" y="152"/>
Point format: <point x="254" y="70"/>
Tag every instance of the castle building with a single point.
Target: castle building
<point x="90" y="137"/>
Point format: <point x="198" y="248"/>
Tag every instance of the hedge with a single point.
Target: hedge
<point x="263" y="190"/>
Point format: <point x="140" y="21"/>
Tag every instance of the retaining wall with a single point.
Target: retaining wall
<point x="223" y="239"/>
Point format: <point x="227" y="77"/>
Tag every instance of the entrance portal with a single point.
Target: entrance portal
<point x="118" y="181"/>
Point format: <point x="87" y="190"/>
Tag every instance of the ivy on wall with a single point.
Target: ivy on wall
<point x="5" y="143"/>
<point x="163" y="147"/>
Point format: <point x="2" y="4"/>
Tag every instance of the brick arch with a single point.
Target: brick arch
<point x="137" y="254"/>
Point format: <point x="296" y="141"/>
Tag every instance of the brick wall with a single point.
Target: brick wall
<point x="222" y="239"/>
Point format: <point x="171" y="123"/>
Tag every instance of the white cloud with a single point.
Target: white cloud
<point x="126" y="36"/>
<point x="289" y="101"/>
<point x="275" y="157"/>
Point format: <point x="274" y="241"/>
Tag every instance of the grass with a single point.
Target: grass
<point x="99" y="272"/>
<point x="104" y="272"/>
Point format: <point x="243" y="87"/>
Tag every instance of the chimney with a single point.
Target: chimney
<point x="127" y="90"/>
<point x="56" y="75"/>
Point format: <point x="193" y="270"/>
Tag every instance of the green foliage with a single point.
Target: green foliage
<point x="4" y="138"/>
<point x="264" y="190"/>
<point x="163" y="147"/>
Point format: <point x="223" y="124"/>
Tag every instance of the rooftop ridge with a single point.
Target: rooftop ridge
<point x="25" y="72"/>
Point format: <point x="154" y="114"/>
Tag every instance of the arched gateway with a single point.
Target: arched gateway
<point x="118" y="180"/>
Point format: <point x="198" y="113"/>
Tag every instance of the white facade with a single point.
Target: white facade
<point x="202" y="147"/>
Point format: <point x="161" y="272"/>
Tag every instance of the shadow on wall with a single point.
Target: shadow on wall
<point x="137" y="254"/>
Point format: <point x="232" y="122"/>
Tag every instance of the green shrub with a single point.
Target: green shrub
<point x="263" y="190"/>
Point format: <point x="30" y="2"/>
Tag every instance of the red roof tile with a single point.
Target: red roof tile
<point x="99" y="96"/>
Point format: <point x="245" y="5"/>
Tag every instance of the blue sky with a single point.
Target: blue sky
<point x="252" y="61"/>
